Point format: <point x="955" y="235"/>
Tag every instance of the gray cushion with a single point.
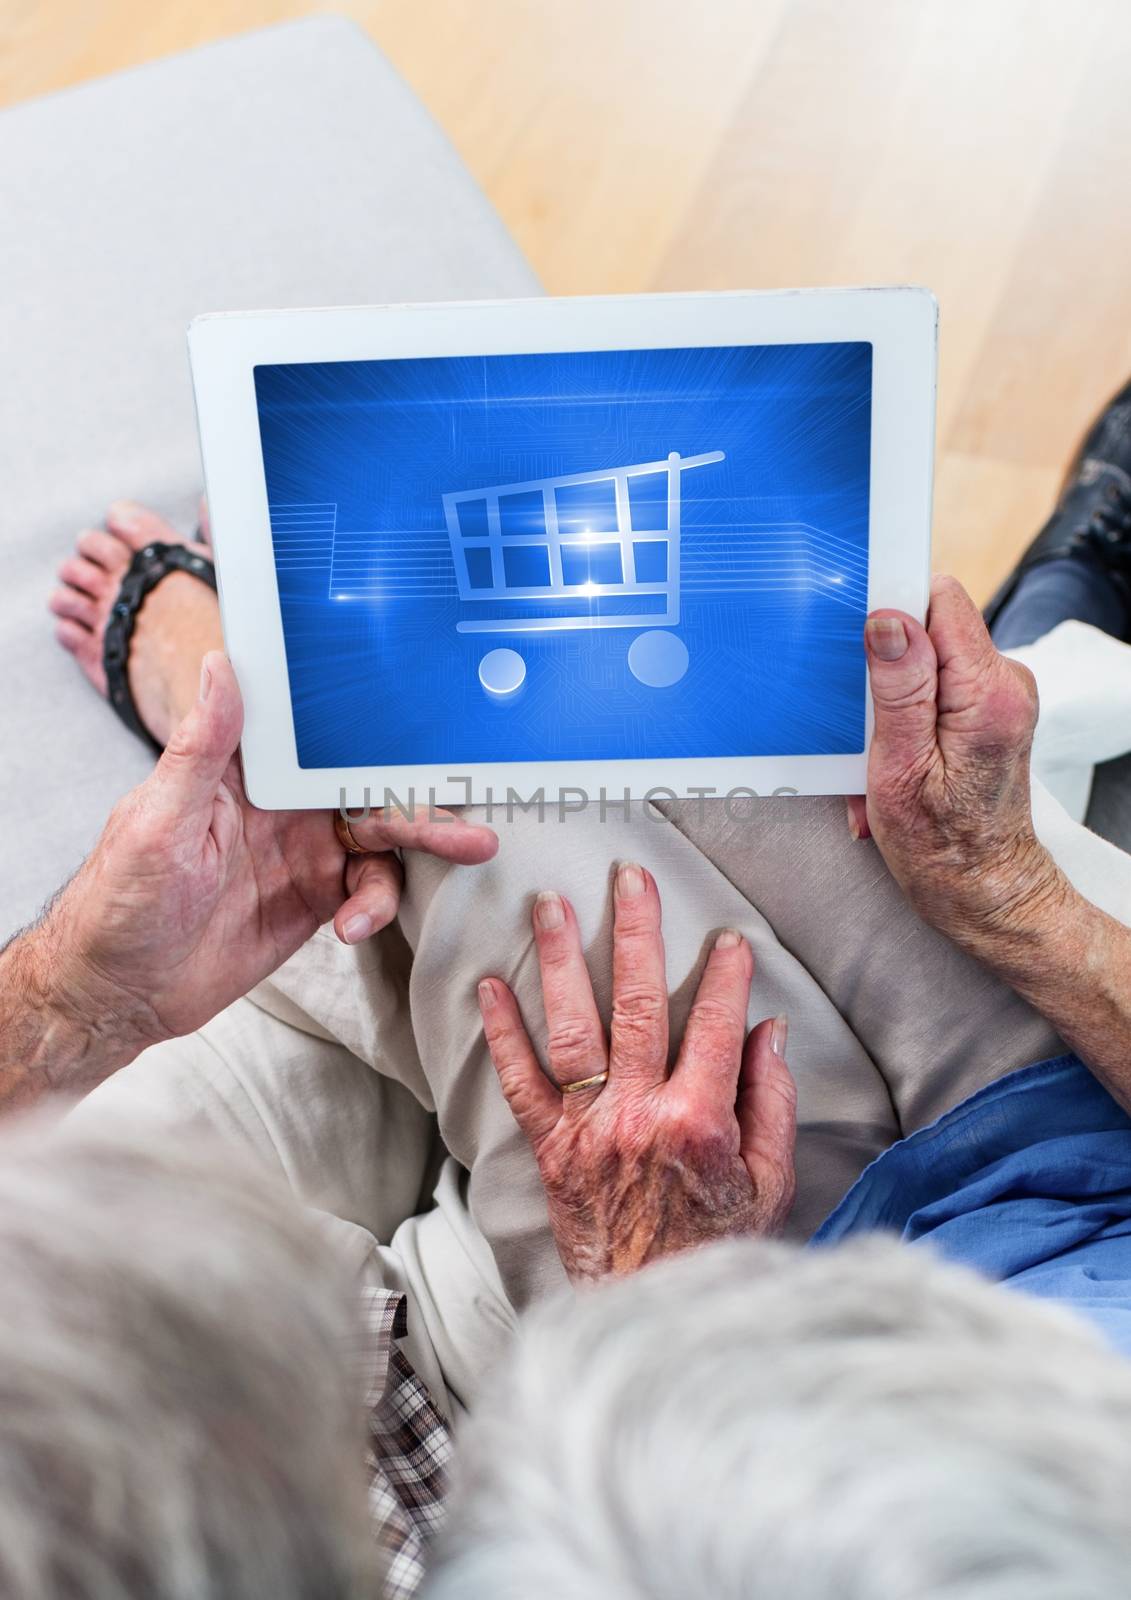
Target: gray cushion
<point x="1110" y="810"/>
<point x="290" y="167"/>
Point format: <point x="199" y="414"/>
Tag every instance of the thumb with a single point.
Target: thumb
<point x="903" y="672"/>
<point x="195" y="759"/>
<point x="766" y="1109"/>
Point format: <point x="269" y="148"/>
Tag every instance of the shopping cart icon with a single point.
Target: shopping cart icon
<point x="602" y="548"/>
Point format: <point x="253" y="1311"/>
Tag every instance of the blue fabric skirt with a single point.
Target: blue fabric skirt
<point x="1028" y="1181"/>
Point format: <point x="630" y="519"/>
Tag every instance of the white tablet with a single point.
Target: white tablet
<point x="564" y="548"/>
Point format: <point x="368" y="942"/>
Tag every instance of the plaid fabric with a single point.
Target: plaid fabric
<point x="408" y="1448"/>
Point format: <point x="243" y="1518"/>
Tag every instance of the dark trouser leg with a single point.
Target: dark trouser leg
<point x="1059" y="591"/>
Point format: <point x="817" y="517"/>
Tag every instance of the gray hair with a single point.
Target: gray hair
<point x="179" y="1418"/>
<point x="860" y="1423"/>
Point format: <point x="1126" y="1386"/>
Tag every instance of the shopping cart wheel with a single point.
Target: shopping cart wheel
<point x="502" y="672"/>
<point x="658" y="658"/>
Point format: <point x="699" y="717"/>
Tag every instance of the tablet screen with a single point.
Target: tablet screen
<point x="584" y="556"/>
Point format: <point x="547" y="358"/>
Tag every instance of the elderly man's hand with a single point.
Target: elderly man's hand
<point x="647" y="1163"/>
<point x="948" y="775"/>
<point x="192" y="896"/>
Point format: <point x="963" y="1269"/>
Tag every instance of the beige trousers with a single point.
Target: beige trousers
<point x="342" y="1068"/>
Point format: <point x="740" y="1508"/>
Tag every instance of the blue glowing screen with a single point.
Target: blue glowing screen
<point x="596" y="555"/>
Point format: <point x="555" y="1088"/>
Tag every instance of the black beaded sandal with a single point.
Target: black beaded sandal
<point x="144" y="573"/>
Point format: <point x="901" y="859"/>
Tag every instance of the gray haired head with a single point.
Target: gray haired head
<point x="177" y="1412"/>
<point x="752" y="1423"/>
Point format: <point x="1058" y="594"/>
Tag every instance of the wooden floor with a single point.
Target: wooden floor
<point x="977" y="146"/>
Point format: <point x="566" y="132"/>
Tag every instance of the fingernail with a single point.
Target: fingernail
<point x="887" y="637"/>
<point x="358" y="928"/>
<point x="853" y="825"/>
<point x="486" y="994"/>
<point x="548" y="910"/>
<point x="205" y="679"/>
<point x="630" y="881"/>
<point x="125" y="514"/>
<point x="779" y="1033"/>
<point x="728" y="939"/>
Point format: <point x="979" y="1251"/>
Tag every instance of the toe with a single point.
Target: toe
<point x="72" y="635"/>
<point x="85" y="575"/>
<point x="137" y="526"/>
<point x="104" y="550"/>
<point x="75" y="606"/>
<point x="86" y="647"/>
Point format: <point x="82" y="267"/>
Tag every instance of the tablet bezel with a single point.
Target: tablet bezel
<point x="225" y="348"/>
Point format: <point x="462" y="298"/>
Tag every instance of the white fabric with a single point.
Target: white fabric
<point x="1084" y="682"/>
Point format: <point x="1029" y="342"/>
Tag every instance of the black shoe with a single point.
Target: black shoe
<point x="1092" y="520"/>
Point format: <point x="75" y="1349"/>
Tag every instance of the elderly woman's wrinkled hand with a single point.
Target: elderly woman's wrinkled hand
<point x="192" y="895"/>
<point x="639" y="1162"/>
<point x="948" y="798"/>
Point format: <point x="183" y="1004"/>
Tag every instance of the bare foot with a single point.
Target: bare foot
<point x="179" y="621"/>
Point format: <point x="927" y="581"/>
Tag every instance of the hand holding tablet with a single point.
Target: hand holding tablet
<point x="564" y="546"/>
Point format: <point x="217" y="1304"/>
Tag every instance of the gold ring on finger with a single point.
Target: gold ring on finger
<point x="597" y="1081"/>
<point x="345" y="837"/>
